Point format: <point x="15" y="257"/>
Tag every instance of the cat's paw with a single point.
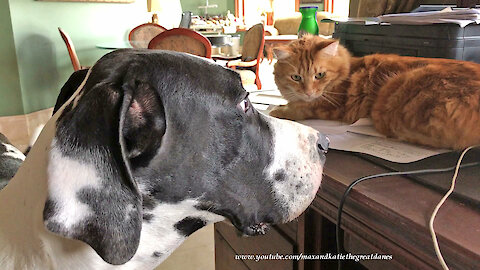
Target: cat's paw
<point x="283" y="112"/>
<point x="278" y="111"/>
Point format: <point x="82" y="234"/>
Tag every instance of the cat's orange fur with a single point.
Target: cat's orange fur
<point x="434" y="102"/>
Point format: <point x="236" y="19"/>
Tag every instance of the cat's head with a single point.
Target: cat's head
<point x="309" y="67"/>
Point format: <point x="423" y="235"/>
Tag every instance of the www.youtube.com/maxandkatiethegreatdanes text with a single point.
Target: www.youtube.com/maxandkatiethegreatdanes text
<point x="326" y="256"/>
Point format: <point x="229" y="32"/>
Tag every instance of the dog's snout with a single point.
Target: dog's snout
<point x="323" y="143"/>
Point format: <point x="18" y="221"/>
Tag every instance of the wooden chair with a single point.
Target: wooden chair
<point x="140" y="36"/>
<point x="252" y="53"/>
<point x="182" y="40"/>
<point x="71" y="50"/>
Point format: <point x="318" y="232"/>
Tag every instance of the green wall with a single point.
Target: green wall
<point x="42" y="57"/>
<point x="223" y="6"/>
<point x="10" y="95"/>
<point x="35" y="62"/>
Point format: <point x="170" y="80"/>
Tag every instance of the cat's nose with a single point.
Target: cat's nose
<point x="322" y="143"/>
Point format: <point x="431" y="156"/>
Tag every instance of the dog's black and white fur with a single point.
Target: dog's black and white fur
<point x="10" y="160"/>
<point x="152" y="146"/>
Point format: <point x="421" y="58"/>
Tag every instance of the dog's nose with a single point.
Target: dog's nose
<point x="323" y="143"/>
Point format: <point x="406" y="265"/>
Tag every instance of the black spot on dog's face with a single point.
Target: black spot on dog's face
<point x="148" y="203"/>
<point x="147" y="217"/>
<point x="280" y="176"/>
<point x="157" y="254"/>
<point x="189" y="225"/>
<point x="298" y="186"/>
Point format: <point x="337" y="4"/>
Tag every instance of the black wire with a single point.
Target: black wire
<point x="339" y="233"/>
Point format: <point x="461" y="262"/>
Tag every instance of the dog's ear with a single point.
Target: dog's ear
<point x="69" y="88"/>
<point x="144" y="125"/>
<point x="92" y="196"/>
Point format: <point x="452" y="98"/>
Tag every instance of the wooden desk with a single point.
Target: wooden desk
<point x="385" y="216"/>
<point x="272" y="41"/>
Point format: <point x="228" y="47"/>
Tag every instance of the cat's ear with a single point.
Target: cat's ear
<point x="281" y="53"/>
<point x="330" y="50"/>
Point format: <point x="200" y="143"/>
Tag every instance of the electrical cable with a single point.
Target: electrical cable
<point x="435" y="211"/>
<point x="339" y="233"/>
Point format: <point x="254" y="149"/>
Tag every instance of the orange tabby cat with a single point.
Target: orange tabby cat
<point x="434" y="102"/>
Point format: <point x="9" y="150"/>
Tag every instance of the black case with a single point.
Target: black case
<point x="435" y="40"/>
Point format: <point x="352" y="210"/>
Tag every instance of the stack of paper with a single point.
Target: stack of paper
<point x="461" y="17"/>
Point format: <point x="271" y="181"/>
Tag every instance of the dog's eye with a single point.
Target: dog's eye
<point x="296" y="77"/>
<point x="244" y="105"/>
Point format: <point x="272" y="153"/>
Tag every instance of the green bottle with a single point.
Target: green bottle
<point x="309" y="21"/>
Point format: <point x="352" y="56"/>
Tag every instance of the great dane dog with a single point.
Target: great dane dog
<point x="152" y="146"/>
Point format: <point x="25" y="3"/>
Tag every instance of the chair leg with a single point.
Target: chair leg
<point x="257" y="75"/>
<point x="258" y="83"/>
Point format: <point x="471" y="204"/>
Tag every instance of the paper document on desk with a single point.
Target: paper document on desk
<point x="362" y="137"/>
<point x="268" y="97"/>
<point x="462" y="17"/>
<point x="362" y="126"/>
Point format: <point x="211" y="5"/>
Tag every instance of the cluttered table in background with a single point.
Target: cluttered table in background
<point x="385" y="216"/>
<point x="223" y="46"/>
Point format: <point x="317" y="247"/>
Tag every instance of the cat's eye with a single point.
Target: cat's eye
<point x="296" y="77"/>
<point x="320" y="75"/>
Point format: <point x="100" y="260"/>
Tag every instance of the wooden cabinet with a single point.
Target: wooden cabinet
<point x="385" y="216"/>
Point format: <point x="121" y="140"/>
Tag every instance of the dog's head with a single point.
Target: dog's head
<point x="152" y="129"/>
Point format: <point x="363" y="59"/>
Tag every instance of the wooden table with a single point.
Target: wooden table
<point x="114" y="45"/>
<point x="385" y="216"/>
<point x="272" y="41"/>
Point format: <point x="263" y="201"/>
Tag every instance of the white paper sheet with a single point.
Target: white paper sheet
<point x="270" y="97"/>
<point x="362" y="137"/>
<point x="384" y="148"/>
<point x="462" y="17"/>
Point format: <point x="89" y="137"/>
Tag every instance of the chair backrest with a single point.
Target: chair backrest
<point x="71" y="50"/>
<point x="140" y="36"/>
<point x="182" y="40"/>
<point x="186" y="20"/>
<point x="253" y="43"/>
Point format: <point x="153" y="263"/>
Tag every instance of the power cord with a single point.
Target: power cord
<point x="339" y="233"/>
<point x="435" y="211"/>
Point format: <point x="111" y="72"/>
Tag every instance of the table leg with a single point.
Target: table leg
<point x="269" y="49"/>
